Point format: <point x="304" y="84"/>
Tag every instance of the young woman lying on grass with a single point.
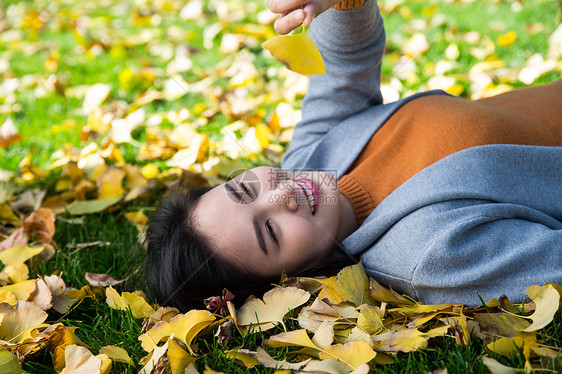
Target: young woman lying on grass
<point x="444" y="199"/>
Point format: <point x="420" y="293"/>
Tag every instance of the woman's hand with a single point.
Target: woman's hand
<point x="293" y="13"/>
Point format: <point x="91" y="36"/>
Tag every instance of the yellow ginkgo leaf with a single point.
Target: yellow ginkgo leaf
<point x="17" y="255"/>
<point x="110" y="183"/>
<point x="383" y="294"/>
<point x="266" y="360"/>
<point x="547" y="301"/>
<point x="509" y="346"/>
<point x="139" y="307"/>
<point x="153" y="357"/>
<point x="59" y="337"/>
<point x="370" y="319"/>
<point x="257" y="314"/>
<point x="297" y="52"/>
<point x="291" y="338"/>
<point x="327" y="287"/>
<point x="114" y="300"/>
<point x="183" y="326"/>
<point x="333" y="366"/>
<point x="22" y="290"/>
<point x="8" y="297"/>
<point x="497" y="368"/>
<point x="353" y="353"/>
<point x="80" y="359"/>
<point x="352" y="283"/>
<point x="507" y="39"/>
<point x="245" y="356"/>
<point x="178" y="357"/>
<point x="150" y="171"/>
<point x="407" y="340"/>
<point x="324" y="336"/>
<point x="9" y="363"/>
<point x="78" y="208"/>
<point x="116" y="353"/>
<point x="15" y="273"/>
<point x="18" y="324"/>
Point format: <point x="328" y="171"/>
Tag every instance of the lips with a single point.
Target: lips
<point x="311" y="192"/>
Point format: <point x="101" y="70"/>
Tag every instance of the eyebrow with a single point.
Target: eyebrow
<point x="261" y="241"/>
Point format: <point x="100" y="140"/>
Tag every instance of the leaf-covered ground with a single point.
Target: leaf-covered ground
<point x="103" y="104"/>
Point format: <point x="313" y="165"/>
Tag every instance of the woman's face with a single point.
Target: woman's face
<point x="271" y="221"/>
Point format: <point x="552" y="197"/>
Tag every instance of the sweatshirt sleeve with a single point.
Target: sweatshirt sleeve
<point x="352" y="43"/>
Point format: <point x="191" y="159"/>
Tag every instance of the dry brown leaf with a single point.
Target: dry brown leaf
<point x="61" y="303"/>
<point x="224" y="332"/>
<point x="8" y="133"/>
<point x="103" y="280"/>
<point x="16" y="239"/>
<point x="42" y="295"/>
<point x="59" y="337"/>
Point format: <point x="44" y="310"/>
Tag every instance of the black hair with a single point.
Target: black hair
<point x="182" y="269"/>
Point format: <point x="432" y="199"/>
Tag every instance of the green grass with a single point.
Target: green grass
<point x="50" y="122"/>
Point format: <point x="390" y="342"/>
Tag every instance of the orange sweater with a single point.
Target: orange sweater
<point x="429" y="128"/>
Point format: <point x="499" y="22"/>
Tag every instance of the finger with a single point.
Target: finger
<point x="310" y="12"/>
<point x="289" y="22"/>
<point x="283" y="6"/>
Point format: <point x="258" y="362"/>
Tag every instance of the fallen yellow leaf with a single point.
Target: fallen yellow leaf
<point x="407" y="340"/>
<point x="243" y="355"/>
<point x="16" y="255"/>
<point x="19" y="324"/>
<point x="9" y="363"/>
<point x="297" y="337"/>
<point x="116" y="353"/>
<point x="257" y="315"/>
<point x="139" y="307"/>
<point x="507" y="39"/>
<point x="22" y="290"/>
<point x="383" y="294"/>
<point x="183" y="326"/>
<point x="547" y="301"/>
<point x="352" y="283"/>
<point x="353" y="353"/>
<point x="178" y="357"/>
<point x="297" y="52"/>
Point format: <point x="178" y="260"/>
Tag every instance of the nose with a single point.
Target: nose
<point x="284" y="196"/>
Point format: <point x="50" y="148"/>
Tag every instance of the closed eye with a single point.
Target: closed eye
<point x="270" y="231"/>
<point x="247" y="191"/>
